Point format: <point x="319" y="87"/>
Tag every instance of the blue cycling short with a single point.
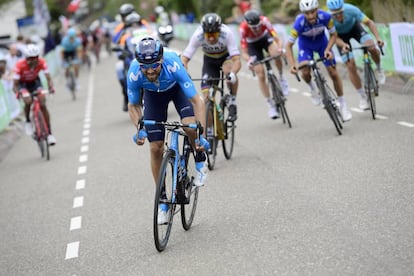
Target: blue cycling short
<point x="306" y="52"/>
<point x="156" y="108"/>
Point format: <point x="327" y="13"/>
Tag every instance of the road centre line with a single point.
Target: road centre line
<point x="82" y="170"/>
<point x="406" y="124"/>
<point x="78" y="202"/>
<point x="72" y="250"/>
<point x="84" y="148"/>
<point x="83" y="158"/>
<point x="75" y="223"/>
<point x="80" y="184"/>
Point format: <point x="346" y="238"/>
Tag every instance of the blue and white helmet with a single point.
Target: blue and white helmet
<point x="335" y="4"/>
<point x="149" y="50"/>
<point x="308" y="5"/>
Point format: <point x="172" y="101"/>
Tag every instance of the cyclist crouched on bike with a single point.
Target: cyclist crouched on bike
<point x="26" y="81"/>
<point x="220" y="53"/>
<point x="347" y="19"/>
<point x="309" y="27"/>
<point x="71" y="54"/>
<point x="158" y="77"/>
<point x="257" y="34"/>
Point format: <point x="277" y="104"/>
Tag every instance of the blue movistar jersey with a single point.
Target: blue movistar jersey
<point x="312" y="34"/>
<point x="68" y="46"/>
<point x="351" y="16"/>
<point x="172" y="72"/>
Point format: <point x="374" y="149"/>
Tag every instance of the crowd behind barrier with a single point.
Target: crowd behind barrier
<point x="398" y="49"/>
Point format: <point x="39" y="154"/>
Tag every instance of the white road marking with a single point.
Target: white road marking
<point x="381" y="117"/>
<point x="406" y="124"/>
<point x="75" y="223"/>
<point x="357" y="110"/>
<point x="83" y="158"/>
<point x="84" y="148"/>
<point x="86" y="132"/>
<point x="78" y="202"/>
<point x="80" y="184"/>
<point x="294" y="90"/>
<point x="87" y="119"/>
<point x="87" y="126"/>
<point x="85" y="140"/>
<point x="82" y="170"/>
<point x="72" y="250"/>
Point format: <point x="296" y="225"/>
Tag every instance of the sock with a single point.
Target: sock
<point x="232" y="100"/>
<point x="341" y="100"/>
<point x="361" y="91"/>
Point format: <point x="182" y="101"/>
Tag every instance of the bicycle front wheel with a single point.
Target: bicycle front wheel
<point x="163" y="202"/>
<point x="42" y="132"/>
<point x="329" y="101"/>
<point x="371" y="90"/>
<point x="191" y="191"/>
<point x="72" y="84"/>
<point x="229" y="129"/>
<point x="279" y="99"/>
<point x="211" y="135"/>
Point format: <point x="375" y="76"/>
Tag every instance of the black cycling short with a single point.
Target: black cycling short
<point x="211" y="69"/>
<point x="357" y="32"/>
<point x="255" y="49"/>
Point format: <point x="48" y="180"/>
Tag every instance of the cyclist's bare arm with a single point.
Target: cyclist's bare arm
<point x="185" y="61"/>
<point x="135" y="113"/>
<point x="290" y="58"/>
<point x="236" y="64"/>
<point x="371" y="25"/>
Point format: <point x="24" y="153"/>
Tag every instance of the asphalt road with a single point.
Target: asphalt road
<point x="300" y="201"/>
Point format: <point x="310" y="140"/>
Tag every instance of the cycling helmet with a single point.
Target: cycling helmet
<point x="308" y="5"/>
<point x="252" y="17"/>
<point x="133" y="18"/>
<point x="159" y="9"/>
<point x="335" y="4"/>
<point x="149" y="50"/>
<point x="32" y="51"/>
<point x="126" y="9"/>
<point x="71" y="32"/>
<point x="211" y="23"/>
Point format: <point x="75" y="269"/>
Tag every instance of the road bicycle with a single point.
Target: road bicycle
<point x="277" y="93"/>
<point x="175" y="185"/>
<point x="329" y="98"/>
<point x="219" y="128"/>
<point x="40" y="127"/>
<point x="370" y="81"/>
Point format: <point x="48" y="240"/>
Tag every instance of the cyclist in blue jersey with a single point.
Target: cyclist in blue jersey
<point x="309" y="28"/>
<point x="158" y="77"/>
<point x="71" y="53"/>
<point x="348" y="19"/>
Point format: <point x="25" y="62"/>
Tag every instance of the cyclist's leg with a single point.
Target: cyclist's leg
<point x="27" y="99"/>
<point x="227" y="67"/>
<point x="119" y="69"/>
<point x="304" y="55"/>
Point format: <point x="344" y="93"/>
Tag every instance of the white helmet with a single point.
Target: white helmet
<point x="308" y="5"/>
<point x="32" y="50"/>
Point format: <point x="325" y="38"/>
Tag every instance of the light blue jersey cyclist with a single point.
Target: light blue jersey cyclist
<point x="156" y="78"/>
<point x="71" y="52"/>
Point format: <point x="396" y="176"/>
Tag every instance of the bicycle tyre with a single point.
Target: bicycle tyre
<point x="327" y="100"/>
<point x="371" y="90"/>
<point x="72" y="84"/>
<point x="191" y="191"/>
<point x="163" y="194"/>
<point x="229" y="129"/>
<point x="210" y="121"/>
<point x="42" y="132"/>
<point x="279" y="99"/>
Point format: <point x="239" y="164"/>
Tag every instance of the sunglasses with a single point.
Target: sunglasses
<point x="152" y="66"/>
<point x="337" y="13"/>
<point x="213" y="35"/>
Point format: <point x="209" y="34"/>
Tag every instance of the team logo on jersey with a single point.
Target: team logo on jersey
<point x="173" y="69"/>
<point x="134" y="77"/>
<point x="187" y="84"/>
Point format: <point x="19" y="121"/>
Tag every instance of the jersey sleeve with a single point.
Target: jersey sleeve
<point x="133" y="87"/>
<point x="232" y="46"/>
<point x="269" y="26"/>
<point x="359" y="15"/>
<point x="294" y="31"/>
<point x="242" y="33"/>
<point x="192" y="46"/>
<point x="43" y="65"/>
<point x="183" y="79"/>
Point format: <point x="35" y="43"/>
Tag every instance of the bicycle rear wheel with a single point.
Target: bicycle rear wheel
<point x="163" y="199"/>
<point x="191" y="191"/>
<point x="211" y="137"/>
<point x="229" y="129"/>
<point x="279" y="99"/>
<point x="371" y="90"/>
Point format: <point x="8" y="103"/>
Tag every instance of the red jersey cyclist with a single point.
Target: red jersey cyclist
<point x="220" y="51"/>
<point x="26" y="81"/>
<point x="257" y="34"/>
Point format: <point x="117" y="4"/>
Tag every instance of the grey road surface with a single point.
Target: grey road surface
<point x="300" y="201"/>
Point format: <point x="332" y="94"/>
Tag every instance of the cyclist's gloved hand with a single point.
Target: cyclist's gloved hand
<point x="232" y="77"/>
<point x="346" y="48"/>
<point x="250" y="61"/>
<point x="380" y="43"/>
<point x="202" y="143"/>
<point x="51" y="90"/>
<point x="140" y="137"/>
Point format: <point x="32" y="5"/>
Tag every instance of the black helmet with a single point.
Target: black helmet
<point x="126" y="9"/>
<point x="149" y="50"/>
<point x="211" y="23"/>
<point x="252" y="17"/>
<point x="132" y="18"/>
